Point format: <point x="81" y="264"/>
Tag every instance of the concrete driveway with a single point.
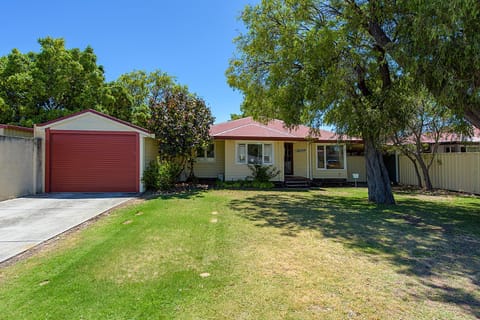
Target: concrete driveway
<point x="28" y="221"/>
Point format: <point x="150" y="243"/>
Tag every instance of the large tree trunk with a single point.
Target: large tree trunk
<point x="378" y="182"/>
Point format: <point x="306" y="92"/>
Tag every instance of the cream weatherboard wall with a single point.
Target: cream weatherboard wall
<point x="325" y="173"/>
<point x="151" y="151"/>
<point x="89" y="121"/>
<point x="450" y="171"/>
<point x="356" y="164"/>
<point x="212" y="168"/>
<point x="235" y="171"/>
<point x="225" y="162"/>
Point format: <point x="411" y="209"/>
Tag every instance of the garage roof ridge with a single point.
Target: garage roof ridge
<point x="97" y="113"/>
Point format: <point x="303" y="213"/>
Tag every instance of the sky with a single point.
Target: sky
<point x="191" y="40"/>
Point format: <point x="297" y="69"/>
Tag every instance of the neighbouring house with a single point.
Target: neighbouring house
<point x="454" y="142"/>
<point x="456" y="166"/>
<point x="320" y="157"/>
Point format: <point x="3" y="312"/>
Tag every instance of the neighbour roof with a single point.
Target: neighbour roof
<point x="454" y="137"/>
<point x="18" y="128"/>
<point x="97" y="113"/>
<point x="249" y="129"/>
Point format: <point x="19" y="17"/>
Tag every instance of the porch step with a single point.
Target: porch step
<point x="296" y="182"/>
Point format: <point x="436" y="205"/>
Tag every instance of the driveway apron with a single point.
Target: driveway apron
<point x="28" y="221"/>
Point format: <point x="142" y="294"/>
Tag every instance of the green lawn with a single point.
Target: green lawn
<point x="322" y="254"/>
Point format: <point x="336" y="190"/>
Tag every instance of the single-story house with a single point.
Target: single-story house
<point x="89" y="151"/>
<point x="455" y="142"/>
<point x="295" y="152"/>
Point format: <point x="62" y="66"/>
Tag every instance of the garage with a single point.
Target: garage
<point x="82" y="161"/>
<point x="93" y="152"/>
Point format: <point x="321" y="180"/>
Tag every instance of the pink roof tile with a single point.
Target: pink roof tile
<point x="249" y="129"/>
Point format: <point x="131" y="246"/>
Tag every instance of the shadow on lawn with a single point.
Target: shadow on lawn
<point x="437" y="242"/>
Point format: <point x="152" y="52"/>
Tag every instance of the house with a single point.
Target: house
<point x="89" y="151"/>
<point x="295" y="152"/>
<point x="455" y="142"/>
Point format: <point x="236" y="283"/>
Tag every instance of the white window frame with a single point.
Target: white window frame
<point x="324" y="145"/>
<point x="204" y="158"/>
<point x="262" y="144"/>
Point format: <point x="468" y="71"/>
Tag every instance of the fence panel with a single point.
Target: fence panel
<point x="20" y="165"/>
<point x="450" y="171"/>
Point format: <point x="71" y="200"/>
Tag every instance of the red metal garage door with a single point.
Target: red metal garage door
<point x="92" y="161"/>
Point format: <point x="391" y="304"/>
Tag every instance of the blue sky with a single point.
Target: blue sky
<point x="190" y="40"/>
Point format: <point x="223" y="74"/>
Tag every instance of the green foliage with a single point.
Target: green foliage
<point x="245" y="184"/>
<point x="151" y="176"/>
<point x="36" y="87"/>
<point x="181" y="122"/>
<point x="426" y="119"/>
<point x="312" y="62"/>
<point x="142" y="90"/>
<point x="438" y="42"/>
<point x="168" y="174"/>
<point x="261" y="173"/>
<point x="161" y="175"/>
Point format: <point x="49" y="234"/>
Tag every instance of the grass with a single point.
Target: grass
<point x="323" y="254"/>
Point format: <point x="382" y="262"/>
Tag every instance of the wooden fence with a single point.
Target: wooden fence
<point x="450" y="171"/>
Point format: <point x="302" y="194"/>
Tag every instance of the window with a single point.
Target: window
<point x="254" y="153"/>
<point x="206" y="154"/>
<point x="330" y="157"/>
<point x="321" y="157"/>
<point x="473" y="148"/>
<point x="267" y="153"/>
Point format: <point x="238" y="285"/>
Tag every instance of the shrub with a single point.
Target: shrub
<point x="241" y="184"/>
<point x="150" y="176"/>
<point x="262" y="173"/>
<point x="168" y="174"/>
<point x="161" y="175"/>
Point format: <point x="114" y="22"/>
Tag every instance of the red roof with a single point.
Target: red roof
<point x="249" y="129"/>
<point x="18" y="128"/>
<point x="97" y="113"/>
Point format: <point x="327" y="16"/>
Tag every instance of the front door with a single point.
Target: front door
<point x="288" y="159"/>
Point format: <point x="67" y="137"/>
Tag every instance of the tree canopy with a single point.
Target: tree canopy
<point x="307" y="62"/>
<point x="436" y="42"/>
<point x="143" y="89"/>
<point x="356" y="64"/>
<point x="36" y="87"/>
<point x="181" y="122"/>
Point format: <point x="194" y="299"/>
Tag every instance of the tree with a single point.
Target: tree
<point x="36" y="87"/>
<point x="437" y="42"/>
<point x="15" y="85"/>
<point x="144" y="89"/>
<point x="181" y="122"/>
<point x="431" y="121"/>
<point x="312" y="62"/>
